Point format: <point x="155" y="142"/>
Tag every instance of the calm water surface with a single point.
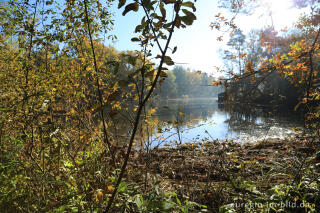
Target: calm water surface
<point x="197" y="120"/>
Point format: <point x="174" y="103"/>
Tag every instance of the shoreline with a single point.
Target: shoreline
<point x="197" y="171"/>
<point x="190" y="99"/>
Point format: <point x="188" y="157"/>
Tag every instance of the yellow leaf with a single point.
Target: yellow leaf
<point x="110" y="188"/>
<point x="99" y="197"/>
<point x="243" y="55"/>
<point x="153" y="110"/>
<point x="216" y="83"/>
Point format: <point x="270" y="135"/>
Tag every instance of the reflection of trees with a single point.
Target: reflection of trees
<point x="167" y="117"/>
<point x="244" y="116"/>
<point x="193" y="112"/>
<point x="167" y="121"/>
<point x="121" y="127"/>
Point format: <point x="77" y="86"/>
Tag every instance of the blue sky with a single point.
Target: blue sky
<point x="198" y="48"/>
<point x="197" y="45"/>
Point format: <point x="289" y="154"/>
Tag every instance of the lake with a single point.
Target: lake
<point x="198" y="120"/>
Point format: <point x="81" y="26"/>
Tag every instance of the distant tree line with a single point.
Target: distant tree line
<point x="184" y="83"/>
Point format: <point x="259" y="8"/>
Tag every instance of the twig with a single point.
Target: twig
<point x="106" y="139"/>
<point x="137" y="118"/>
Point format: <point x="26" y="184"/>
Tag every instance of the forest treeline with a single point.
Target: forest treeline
<point x="183" y="83"/>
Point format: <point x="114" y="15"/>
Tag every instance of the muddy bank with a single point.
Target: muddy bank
<point x="203" y="172"/>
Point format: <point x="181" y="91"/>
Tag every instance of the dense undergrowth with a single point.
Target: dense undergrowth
<point x="270" y="176"/>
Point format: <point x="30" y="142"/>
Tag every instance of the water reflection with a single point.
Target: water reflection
<point x="205" y="119"/>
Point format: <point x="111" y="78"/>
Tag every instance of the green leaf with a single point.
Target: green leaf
<point x="135" y="39"/>
<point x="143" y="22"/>
<point x="148" y="4"/>
<point x="169" y="1"/>
<point x="138" y="29"/>
<point x="297" y="106"/>
<point x="174" y="50"/>
<point x="163" y="74"/>
<point x="129" y="7"/>
<point x="49" y="2"/>
<point x="122" y="187"/>
<point x="162" y="10"/>
<point x="189" y="14"/>
<point x="139" y="201"/>
<point x="178" y="201"/>
<point x="187" y="20"/>
<point x="189" y="4"/>
<point x="121" y="3"/>
<point x="168" y="61"/>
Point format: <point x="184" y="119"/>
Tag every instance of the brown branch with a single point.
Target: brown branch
<point x="152" y="28"/>
<point x="30" y="46"/>
<point x="106" y="139"/>
<point x="137" y="119"/>
<point x="311" y="65"/>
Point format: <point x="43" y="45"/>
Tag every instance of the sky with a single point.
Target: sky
<point x="198" y="47"/>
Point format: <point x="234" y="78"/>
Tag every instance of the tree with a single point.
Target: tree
<point x="296" y="64"/>
<point x="234" y="56"/>
<point x="168" y="87"/>
<point x="61" y="88"/>
<point x="151" y="32"/>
